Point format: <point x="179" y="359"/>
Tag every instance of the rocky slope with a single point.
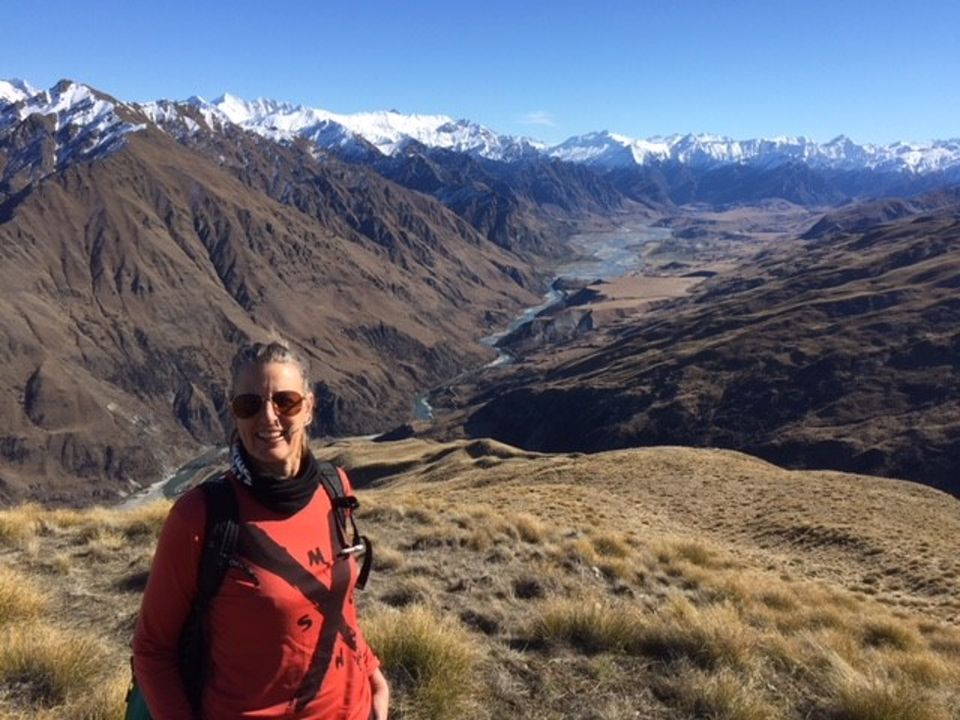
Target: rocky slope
<point x="524" y="205"/>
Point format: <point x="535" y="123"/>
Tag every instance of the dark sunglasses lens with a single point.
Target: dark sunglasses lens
<point x="287" y="402"/>
<point x="246" y="406"/>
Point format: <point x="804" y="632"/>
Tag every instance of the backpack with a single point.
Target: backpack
<point x="223" y="529"/>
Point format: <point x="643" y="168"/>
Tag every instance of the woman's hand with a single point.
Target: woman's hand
<point x="381" y="694"/>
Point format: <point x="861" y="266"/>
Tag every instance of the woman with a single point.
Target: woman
<point x="282" y="634"/>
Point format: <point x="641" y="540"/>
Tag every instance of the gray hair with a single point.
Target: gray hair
<point x="275" y="351"/>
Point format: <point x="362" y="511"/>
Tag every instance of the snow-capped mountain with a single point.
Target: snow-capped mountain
<point x="81" y="123"/>
<point x="71" y="122"/>
<point x="12" y="91"/>
<point x="606" y="150"/>
<point x="388" y="131"/>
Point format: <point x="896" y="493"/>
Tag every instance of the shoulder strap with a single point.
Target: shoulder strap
<point x="220" y="540"/>
<point x="344" y="502"/>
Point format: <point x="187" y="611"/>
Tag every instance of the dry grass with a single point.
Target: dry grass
<point x="877" y="697"/>
<point x="20" y="597"/>
<point x="721" y="695"/>
<point x="19" y="524"/>
<point x="50" y="666"/>
<point x="589" y="625"/>
<point x="530" y="528"/>
<point x="706" y="585"/>
<point x="714" y="636"/>
<point x="84" y="560"/>
<point x="608" y="544"/>
<point x="386" y="558"/>
<point x="432" y="661"/>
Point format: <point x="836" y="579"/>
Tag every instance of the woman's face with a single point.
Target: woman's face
<point x="274" y="441"/>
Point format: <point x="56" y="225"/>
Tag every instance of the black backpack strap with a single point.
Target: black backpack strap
<point x="219" y="543"/>
<point x="220" y="538"/>
<point x="344" y="503"/>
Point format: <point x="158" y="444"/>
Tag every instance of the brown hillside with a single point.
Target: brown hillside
<point x="841" y="352"/>
<point x="129" y="281"/>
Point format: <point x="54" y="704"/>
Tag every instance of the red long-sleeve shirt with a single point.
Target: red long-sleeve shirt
<point x="284" y="641"/>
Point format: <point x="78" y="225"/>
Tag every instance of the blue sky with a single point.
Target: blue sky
<point x="876" y="71"/>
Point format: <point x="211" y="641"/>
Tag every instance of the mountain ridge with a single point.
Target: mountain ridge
<point x="390" y="132"/>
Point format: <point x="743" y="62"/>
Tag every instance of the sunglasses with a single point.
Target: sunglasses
<point x="285" y="402"/>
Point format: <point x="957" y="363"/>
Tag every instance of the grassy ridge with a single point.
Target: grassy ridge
<point x="506" y="585"/>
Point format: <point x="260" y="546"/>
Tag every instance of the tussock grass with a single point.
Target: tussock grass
<point x="481" y="539"/>
<point x="878" y="698"/>
<point x="926" y="669"/>
<point x="18" y="524"/>
<point x="610" y="545"/>
<point x="722" y="695"/>
<point x="579" y="550"/>
<point x="696" y="553"/>
<point x="708" y="637"/>
<point x="437" y="536"/>
<point x="885" y="633"/>
<point x="530" y="528"/>
<point x="371" y="511"/>
<point x="778" y="600"/>
<point x="591" y="625"/>
<point x="671" y="552"/>
<point x="145" y="523"/>
<point x="50" y="665"/>
<point x="386" y="558"/>
<point x="408" y="591"/>
<point x="615" y="569"/>
<point x="431" y="660"/>
<point x="20" y="597"/>
<point x="107" y="703"/>
<point x="102" y="543"/>
<point x="528" y="587"/>
<point x="145" y="520"/>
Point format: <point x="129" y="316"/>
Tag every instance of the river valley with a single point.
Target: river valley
<point x="614" y="275"/>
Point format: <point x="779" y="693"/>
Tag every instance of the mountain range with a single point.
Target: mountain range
<point x="140" y="242"/>
<point x="389" y="132"/>
<point x="662" y="171"/>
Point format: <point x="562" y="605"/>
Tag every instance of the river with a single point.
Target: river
<point x="602" y="255"/>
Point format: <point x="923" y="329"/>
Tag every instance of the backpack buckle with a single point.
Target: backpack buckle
<point x="346" y="502"/>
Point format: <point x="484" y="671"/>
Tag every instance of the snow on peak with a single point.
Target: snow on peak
<point x="241" y="112"/>
<point x="389" y="131"/>
<point x="15" y="90"/>
<point x="168" y="115"/>
<point x="83" y="122"/>
<point x="609" y="150"/>
<point x="98" y="127"/>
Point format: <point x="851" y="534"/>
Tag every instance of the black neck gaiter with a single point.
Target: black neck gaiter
<point x="284" y="496"/>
